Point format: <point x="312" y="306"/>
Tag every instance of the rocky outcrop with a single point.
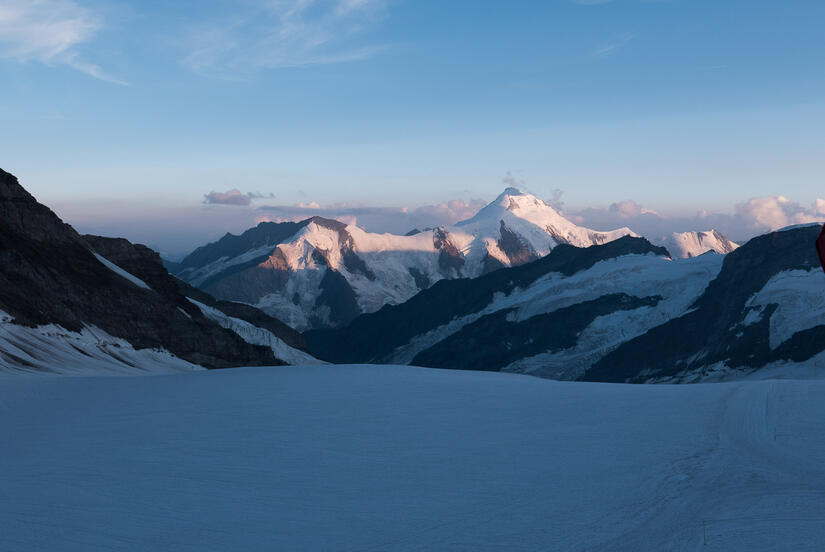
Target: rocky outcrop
<point x="51" y="275"/>
<point x="147" y="265"/>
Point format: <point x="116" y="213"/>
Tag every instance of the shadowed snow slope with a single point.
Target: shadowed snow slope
<point x="402" y="458"/>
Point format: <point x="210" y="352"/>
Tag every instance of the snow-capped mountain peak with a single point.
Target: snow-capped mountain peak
<point x="684" y="245"/>
<point x="321" y="272"/>
<point x="519" y="204"/>
<point x="533" y="222"/>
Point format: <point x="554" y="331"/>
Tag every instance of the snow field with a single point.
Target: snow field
<point x="403" y="458"/>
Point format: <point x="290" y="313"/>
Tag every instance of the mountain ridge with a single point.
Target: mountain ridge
<point x="289" y="269"/>
<point x="50" y="276"/>
<point x="616" y="314"/>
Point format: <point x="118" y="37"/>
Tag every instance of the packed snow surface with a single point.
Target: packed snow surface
<point x="402" y="458"/>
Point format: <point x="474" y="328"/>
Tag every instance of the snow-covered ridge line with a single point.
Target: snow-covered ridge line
<point x="684" y="245"/>
<point x="293" y="276"/>
<point x="120" y="272"/>
<point x="51" y="349"/>
<point x="256" y="335"/>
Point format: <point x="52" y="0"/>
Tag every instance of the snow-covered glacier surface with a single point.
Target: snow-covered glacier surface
<point x="404" y="458"/>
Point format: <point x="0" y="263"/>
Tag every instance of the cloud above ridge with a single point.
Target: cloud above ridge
<point x="749" y="218"/>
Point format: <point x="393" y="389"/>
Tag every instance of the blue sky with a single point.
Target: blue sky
<point x="122" y="114"/>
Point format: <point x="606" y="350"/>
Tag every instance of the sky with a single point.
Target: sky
<point x="173" y="122"/>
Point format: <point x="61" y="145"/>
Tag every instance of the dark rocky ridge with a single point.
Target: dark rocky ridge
<point x="231" y="245"/>
<point x="147" y="265"/>
<point x="49" y="275"/>
<point x="492" y="342"/>
<point x="714" y="331"/>
<point x="372" y="337"/>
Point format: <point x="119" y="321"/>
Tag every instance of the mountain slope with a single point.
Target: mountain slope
<point x="321" y="273"/>
<point x="398" y="333"/>
<point x="765" y="306"/>
<point x="51" y="277"/>
<point x="625" y="313"/>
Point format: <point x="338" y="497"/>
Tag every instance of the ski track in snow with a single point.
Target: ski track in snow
<point x="403" y="458"/>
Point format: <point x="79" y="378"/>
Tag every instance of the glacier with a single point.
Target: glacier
<point x="402" y="458"/>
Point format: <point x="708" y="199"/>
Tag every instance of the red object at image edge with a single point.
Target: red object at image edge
<point x="820" y="247"/>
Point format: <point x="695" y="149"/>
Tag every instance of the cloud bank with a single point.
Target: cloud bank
<point x="749" y="218"/>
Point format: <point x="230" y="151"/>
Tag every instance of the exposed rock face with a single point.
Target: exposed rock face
<point x="50" y="275"/>
<point x="147" y="265"/>
<point x="449" y="258"/>
<point x="518" y="251"/>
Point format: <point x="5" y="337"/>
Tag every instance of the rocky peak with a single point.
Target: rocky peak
<point x="20" y="212"/>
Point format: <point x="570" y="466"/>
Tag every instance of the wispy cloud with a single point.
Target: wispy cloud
<point x="284" y="33"/>
<point x="610" y="48"/>
<point x="48" y="32"/>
